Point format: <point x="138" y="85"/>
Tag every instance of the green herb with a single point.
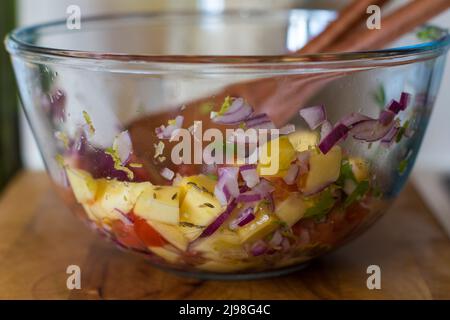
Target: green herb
<point x="357" y="194"/>
<point x="324" y="204"/>
<point x="154" y="195"/>
<point x="212" y="176"/>
<point x="380" y="96"/>
<point x="346" y="173"/>
<point x="429" y="33"/>
<point x="403" y="165"/>
<point x="401" y="131"/>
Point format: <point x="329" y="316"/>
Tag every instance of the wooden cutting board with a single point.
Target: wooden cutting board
<point x="39" y="238"/>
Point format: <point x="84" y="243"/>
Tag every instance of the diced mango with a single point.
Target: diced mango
<point x="171" y="233"/>
<point x="323" y="170"/>
<point x="159" y="203"/>
<point x="303" y="140"/>
<point x="202" y="181"/>
<point x="222" y="244"/>
<point x="84" y="186"/>
<point x="291" y="210"/>
<point x="115" y="196"/>
<point x="360" y="168"/>
<point x="199" y="208"/>
<point x="268" y="155"/>
<point x="263" y="224"/>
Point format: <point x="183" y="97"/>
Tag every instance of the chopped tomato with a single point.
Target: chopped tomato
<point x="147" y="234"/>
<point x="126" y="235"/>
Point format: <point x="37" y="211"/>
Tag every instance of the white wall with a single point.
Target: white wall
<point x="435" y="151"/>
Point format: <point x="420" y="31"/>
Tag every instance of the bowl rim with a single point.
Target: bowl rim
<point x="16" y="45"/>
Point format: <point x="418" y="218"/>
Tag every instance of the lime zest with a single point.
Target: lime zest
<point x="223" y="109"/>
<point x="60" y="160"/>
<point x="159" y="149"/>
<point x="63" y="138"/>
<point x="136" y="165"/>
<point x="88" y="120"/>
<point x="117" y="163"/>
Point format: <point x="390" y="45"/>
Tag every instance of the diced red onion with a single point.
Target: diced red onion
<point x="353" y="119"/>
<point x="219" y="220"/>
<point x="238" y="111"/>
<point x="123" y="217"/>
<point x="303" y="162"/>
<point x="167" y="174"/>
<point x="287" y="129"/>
<point x="164" y="132"/>
<point x="386" y="117"/>
<point x="291" y="174"/>
<point x="405" y="99"/>
<point x="244" y="217"/>
<point x="314" y="116"/>
<point x="338" y="133"/>
<point x="264" y="188"/>
<point x="250" y="175"/>
<point x="325" y="129"/>
<point x="370" y="130"/>
<point x="249" y="196"/>
<point x="285" y="245"/>
<point x="258" y="248"/>
<point x="259" y="121"/>
<point x="227" y="184"/>
<point x="276" y="240"/>
<point x="389" y="137"/>
<point x="123" y="145"/>
<point x="394" y="106"/>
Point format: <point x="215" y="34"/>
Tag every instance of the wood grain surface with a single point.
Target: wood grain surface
<point x="39" y="238"/>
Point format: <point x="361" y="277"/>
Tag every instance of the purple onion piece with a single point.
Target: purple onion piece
<point x="219" y="220"/>
<point x="371" y="130"/>
<point x="338" y="133"/>
<point x="314" y="116"/>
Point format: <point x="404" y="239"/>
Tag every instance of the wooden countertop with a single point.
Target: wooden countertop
<point x="39" y="238"/>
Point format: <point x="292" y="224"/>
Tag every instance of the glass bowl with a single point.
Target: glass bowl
<point x="199" y="141"/>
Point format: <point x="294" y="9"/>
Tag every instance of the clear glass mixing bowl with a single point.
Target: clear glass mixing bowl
<point x="124" y="111"/>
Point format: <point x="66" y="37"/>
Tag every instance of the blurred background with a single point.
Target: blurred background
<point x="17" y="146"/>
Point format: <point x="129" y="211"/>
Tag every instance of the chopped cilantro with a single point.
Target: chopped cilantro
<point x="323" y="206"/>
<point x="380" y="96"/>
<point x="403" y="165"/>
<point x="429" y="33"/>
<point x="358" y="193"/>
<point x="212" y="176"/>
<point x="401" y="131"/>
<point x="346" y="173"/>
